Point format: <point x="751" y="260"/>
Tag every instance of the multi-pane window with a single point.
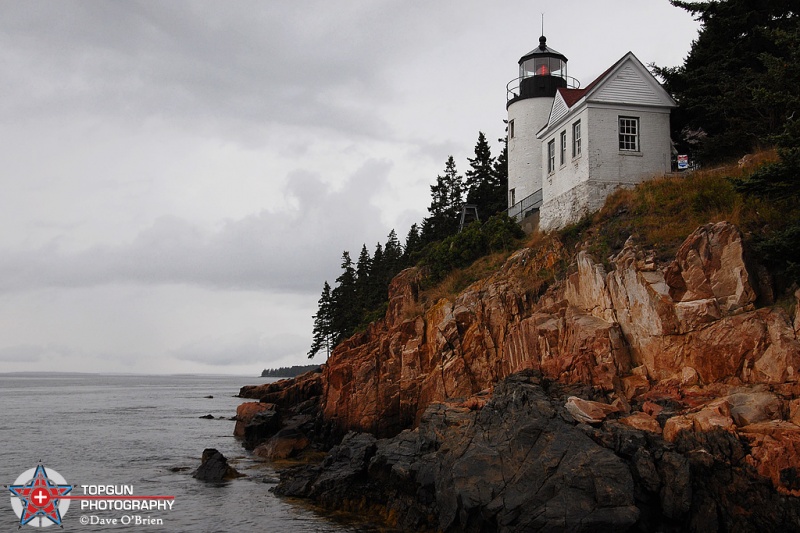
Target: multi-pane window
<point x="629" y="134"/>
<point x="576" y="139"/>
<point x="563" y="146"/>
<point x="551" y="156"/>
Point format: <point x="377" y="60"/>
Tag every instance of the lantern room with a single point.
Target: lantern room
<point x="543" y="61"/>
<point x="541" y="72"/>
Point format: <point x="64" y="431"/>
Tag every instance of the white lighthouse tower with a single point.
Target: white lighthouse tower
<point x="542" y="71"/>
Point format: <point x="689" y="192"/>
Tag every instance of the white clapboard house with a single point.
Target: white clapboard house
<point x="570" y="147"/>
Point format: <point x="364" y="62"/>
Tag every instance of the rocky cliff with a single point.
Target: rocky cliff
<point x="669" y="351"/>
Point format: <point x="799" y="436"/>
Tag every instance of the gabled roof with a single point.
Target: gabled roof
<point x="626" y="78"/>
<point x="571" y="96"/>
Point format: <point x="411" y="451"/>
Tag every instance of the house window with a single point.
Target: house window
<point x="551" y="156"/>
<point x="510" y="129"/>
<point x="629" y="134"/>
<point x="563" y="146"/>
<point x="576" y="139"/>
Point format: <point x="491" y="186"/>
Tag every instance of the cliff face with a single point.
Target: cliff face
<point x="647" y="397"/>
<point x="681" y="328"/>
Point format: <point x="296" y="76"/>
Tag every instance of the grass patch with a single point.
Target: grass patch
<point x="659" y="214"/>
<point x="461" y="278"/>
<point x="662" y="212"/>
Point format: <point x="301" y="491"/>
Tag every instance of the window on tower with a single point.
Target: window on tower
<point x="510" y="129"/>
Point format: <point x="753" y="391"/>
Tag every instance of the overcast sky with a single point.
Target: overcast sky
<point x="179" y="178"/>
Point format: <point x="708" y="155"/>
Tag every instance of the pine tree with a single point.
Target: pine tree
<point x="377" y="286"/>
<point x="413" y="244"/>
<point x="322" y="331"/>
<point x="500" y="171"/>
<point x="345" y="314"/>
<point x="363" y="281"/>
<point x="446" y="203"/>
<point x="728" y="96"/>
<point x="481" y="181"/>
<point x="392" y="254"/>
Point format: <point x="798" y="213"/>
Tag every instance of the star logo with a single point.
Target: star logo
<point x="37" y="495"/>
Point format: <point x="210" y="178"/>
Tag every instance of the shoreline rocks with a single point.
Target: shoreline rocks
<point x="680" y="395"/>
<point x="522" y="463"/>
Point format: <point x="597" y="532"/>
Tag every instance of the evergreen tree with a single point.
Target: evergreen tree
<point x="322" y="331"/>
<point x="392" y="255"/>
<point x="739" y="82"/>
<point x="377" y="287"/>
<point x="481" y="180"/>
<point x="445" y="207"/>
<point x="779" y="184"/>
<point x="500" y="170"/>
<point x="413" y="244"/>
<point x="345" y="311"/>
<point x="363" y="281"/>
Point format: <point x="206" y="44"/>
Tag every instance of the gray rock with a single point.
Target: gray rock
<point x="214" y="467"/>
<point x="515" y="465"/>
<point x="261" y="427"/>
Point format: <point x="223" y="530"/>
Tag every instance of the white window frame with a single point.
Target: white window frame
<point x="576" y="139"/>
<point x="551" y="156"/>
<point x="563" y="148"/>
<point x="628" y="133"/>
<point x="511" y="129"/>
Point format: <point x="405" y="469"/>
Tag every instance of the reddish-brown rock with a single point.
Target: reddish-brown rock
<point x="683" y="342"/>
<point x="797" y="315"/>
<point x="283" y="445"/>
<point x="286" y="392"/>
<point x="710" y="268"/>
<point x="643" y="421"/>
<point x="587" y="411"/>
<point x="775" y="453"/>
<point x="245" y="413"/>
<point x="675" y="425"/>
<point x="692" y="321"/>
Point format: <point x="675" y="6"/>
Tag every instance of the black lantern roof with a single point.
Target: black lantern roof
<point x="542" y="50"/>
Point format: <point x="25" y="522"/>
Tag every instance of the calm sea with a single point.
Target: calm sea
<point x="143" y="431"/>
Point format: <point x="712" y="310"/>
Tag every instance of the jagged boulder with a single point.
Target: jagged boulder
<point x="261" y="426"/>
<point x="245" y="414"/>
<point x="214" y="467"/>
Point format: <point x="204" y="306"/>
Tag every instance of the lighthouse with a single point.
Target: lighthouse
<point x="542" y="71"/>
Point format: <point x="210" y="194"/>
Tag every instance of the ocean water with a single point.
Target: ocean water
<point x="145" y="432"/>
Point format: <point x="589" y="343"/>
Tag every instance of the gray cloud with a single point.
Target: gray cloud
<point x="292" y="250"/>
<point x="202" y="63"/>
